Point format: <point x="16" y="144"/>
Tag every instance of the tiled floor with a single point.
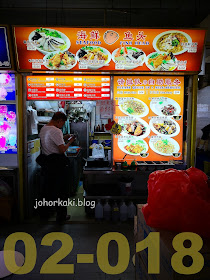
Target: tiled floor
<point x="77" y="213"/>
<point x="85" y="238"/>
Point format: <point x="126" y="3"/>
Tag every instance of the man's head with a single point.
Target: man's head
<point x="59" y="119"/>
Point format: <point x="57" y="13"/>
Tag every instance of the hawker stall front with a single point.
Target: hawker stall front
<point x="10" y="147"/>
<point x="130" y="97"/>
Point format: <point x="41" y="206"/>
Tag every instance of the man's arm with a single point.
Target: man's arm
<point x="62" y="148"/>
<point x="67" y="136"/>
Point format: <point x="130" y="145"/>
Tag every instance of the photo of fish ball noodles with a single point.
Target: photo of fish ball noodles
<point x="171" y="42"/>
<point x="133" y="107"/>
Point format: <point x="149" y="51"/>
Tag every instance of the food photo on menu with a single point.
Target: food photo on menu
<point x="128" y="57"/>
<point x="157" y="61"/>
<point x="94" y="57"/>
<point x="164" y="145"/>
<point x="133" y="107"/>
<point x="59" y="60"/>
<point x="172" y="41"/>
<point x="165" y="106"/>
<point x="134" y="126"/>
<point x="47" y="40"/>
<point x="132" y="145"/>
<point x="164" y="126"/>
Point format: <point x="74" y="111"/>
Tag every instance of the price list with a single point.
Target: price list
<point x="68" y="87"/>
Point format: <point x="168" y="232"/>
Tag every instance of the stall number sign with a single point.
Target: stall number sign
<point x="151" y="243"/>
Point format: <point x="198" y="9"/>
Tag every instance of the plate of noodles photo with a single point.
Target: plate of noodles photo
<point x="171" y="41"/>
<point x="133" y="107"/>
<point x="93" y="57"/>
<point x="164" y="146"/>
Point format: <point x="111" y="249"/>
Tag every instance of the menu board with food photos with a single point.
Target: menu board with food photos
<point x="103" y="49"/>
<point x="150" y="111"/>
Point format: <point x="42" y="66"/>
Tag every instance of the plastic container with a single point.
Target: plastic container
<point x="73" y="149"/>
<point x="131" y="211"/>
<point x="123" y="212"/>
<point x="115" y="212"/>
<point x="99" y="211"/>
<point x="118" y="165"/>
<point x="107" y="211"/>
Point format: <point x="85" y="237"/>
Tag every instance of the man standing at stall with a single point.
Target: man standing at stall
<point x="56" y="164"/>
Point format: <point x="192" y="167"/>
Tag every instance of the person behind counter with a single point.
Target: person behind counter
<point x="56" y="164"/>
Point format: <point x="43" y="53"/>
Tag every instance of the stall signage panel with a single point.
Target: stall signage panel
<point x="7" y="87"/>
<point x="68" y="87"/>
<point x="150" y="110"/>
<point x="5" y="62"/>
<point x="100" y="49"/>
<point x="8" y="129"/>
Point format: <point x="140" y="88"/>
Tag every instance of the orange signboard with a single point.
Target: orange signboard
<point x="102" y="49"/>
<point x="68" y="87"/>
<point x="150" y="110"/>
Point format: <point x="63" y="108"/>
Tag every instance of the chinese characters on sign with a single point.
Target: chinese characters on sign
<point x="99" y="49"/>
<point x="68" y="87"/>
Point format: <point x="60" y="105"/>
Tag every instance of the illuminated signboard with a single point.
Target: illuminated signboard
<point x="68" y="87"/>
<point x="5" y="62"/>
<point x="150" y="109"/>
<point x="7" y="87"/>
<point x="101" y="49"/>
<point x="8" y="129"/>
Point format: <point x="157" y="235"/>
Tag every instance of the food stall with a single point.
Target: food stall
<point x="145" y="79"/>
<point x="10" y="125"/>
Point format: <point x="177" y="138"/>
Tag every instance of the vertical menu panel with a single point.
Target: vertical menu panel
<point x="150" y="110"/>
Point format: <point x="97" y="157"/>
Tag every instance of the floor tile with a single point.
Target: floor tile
<point x="58" y="277"/>
<point x="89" y="276"/>
<point x="28" y="276"/>
<point x="123" y="276"/>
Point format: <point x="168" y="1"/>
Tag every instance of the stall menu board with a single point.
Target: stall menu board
<point x="5" y="61"/>
<point x="68" y="87"/>
<point x="7" y="87"/>
<point x="100" y="49"/>
<point x="150" y="111"/>
<point x="8" y="129"/>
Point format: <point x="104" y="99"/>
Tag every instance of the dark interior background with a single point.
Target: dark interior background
<point x="147" y="13"/>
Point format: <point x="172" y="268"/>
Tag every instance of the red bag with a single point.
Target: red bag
<point x="179" y="201"/>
